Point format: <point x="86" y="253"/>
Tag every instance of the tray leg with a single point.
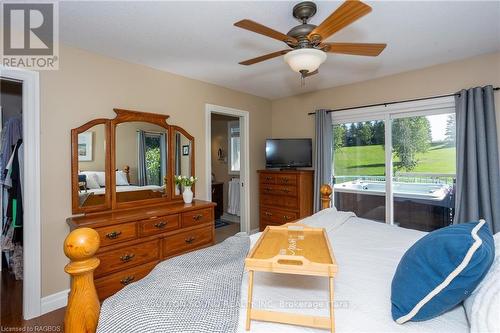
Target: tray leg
<point x="249" y="298"/>
<point x="332" y="318"/>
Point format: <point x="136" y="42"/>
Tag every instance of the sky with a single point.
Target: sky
<point x="438" y="126"/>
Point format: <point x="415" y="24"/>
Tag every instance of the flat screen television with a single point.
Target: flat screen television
<point x="288" y="153"/>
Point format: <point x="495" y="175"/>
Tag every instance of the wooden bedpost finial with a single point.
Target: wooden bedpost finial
<point x="82" y="312"/>
<point x="326" y="192"/>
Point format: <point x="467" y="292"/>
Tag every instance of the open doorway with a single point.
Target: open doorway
<point x="11" y="199"/>
<point x="225" y="151"/>
<point x="228" y="169"/>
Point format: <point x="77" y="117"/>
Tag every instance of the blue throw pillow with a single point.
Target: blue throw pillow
<point x="441" y="270"/>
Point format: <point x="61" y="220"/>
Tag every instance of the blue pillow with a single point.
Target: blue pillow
<point x="441" y="270"/>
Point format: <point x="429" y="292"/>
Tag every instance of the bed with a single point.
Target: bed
<point x="367" y="254"/>
<point x="91" y="196"/>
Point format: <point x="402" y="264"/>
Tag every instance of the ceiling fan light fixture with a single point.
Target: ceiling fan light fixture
<point x="305" y="59"/>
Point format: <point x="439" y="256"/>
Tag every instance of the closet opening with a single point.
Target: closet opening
<point x="11" y="200"/>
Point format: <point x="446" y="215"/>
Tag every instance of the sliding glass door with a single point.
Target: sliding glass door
<point x="396" y="164"/>
<point x="359" y="168"/>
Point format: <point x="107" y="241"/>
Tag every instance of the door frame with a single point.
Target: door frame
<point x="31" y="203"/>
<point x="244" y="118"/>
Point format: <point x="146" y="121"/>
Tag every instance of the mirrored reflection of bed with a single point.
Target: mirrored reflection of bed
<point x="141" y="150"/>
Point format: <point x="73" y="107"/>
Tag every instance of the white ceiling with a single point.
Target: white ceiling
<point x="198" y="39"/>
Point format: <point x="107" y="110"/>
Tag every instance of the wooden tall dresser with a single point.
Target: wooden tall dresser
<point x="284" y="196"/>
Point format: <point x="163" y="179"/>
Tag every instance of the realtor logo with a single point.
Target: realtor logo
<point x="30" y="35"/>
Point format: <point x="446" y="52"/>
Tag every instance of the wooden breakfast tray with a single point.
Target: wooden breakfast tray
<point x="292" y="249"/>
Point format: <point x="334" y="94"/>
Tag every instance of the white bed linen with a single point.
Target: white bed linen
<point x="367" y="254"/>
<point x="124" y="188"/>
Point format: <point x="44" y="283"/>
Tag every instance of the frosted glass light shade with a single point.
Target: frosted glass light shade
<point x="305" y="59"/>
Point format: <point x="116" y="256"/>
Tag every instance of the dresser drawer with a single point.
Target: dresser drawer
<point x="117" y="233"/>
<point x="110" y="284"/>
<point x="286" y="179"/>
<point x="158" y="225"/>
<point x="279" y="201"/>
<point x="276" y="216"/>
<point x="128" y="256"/>
<point x="187" y="241"/>
<point x="267" y="178"/>
<point x="278" y="189"/>
<point x="197" y="217"/>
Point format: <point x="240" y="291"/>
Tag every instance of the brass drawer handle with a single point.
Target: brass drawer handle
<point x="285" y="180"/>
<point x="160" y="225"/>
<point x="197" y="217"/>
<point x="286" y="218"/>
<point x="127" y="280"/>
<point x="127" y="257"/>
<point x="268" y="189"/>
<point x="114" y="234"/>
<point x="285" y="190"/>
<point x="268" y="214"/>
<point x="190" y="240"/>
<point x="269" y="178"/>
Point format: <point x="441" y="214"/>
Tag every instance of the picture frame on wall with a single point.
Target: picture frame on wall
<point x="85" y="147"/>
<point x="185" y="150"/>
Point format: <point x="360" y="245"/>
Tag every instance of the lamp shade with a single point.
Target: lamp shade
<point x="305" y="59"/>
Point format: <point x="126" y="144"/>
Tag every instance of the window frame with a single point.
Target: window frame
<point x="232" y="124"/>
<point x="387" y="113"/>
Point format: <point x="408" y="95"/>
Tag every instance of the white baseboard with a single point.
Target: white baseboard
<point x="230" y="218"/>
<point x="254" y="231"/>
<point x="54" y="301"/>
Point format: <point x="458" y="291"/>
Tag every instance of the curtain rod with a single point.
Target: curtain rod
<point x="395" y="102"/>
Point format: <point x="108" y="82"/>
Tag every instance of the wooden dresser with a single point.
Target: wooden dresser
<point x="133" y="241"/>
<point x="284" y="196"/>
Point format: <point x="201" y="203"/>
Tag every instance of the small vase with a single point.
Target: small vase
<point x="187" y="194"/>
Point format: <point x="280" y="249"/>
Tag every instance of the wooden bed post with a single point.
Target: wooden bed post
<point x="326" y="196"/>
<point x="126" y="170"/>
<point x="82" y="311"/>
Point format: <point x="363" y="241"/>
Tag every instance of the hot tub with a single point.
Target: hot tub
<point x="421" y="206"/>
<point x="432" y="192"/>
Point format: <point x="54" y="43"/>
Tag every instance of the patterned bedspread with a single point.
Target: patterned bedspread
<point x="194" y="292"/>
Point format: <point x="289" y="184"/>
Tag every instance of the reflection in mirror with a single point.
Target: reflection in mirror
<point x="92" y="166"/>
<point x="183" y="154"/>
<point x="141" y="161"/>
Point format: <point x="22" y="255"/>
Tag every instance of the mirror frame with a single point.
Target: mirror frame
<point x="125" y="116"/>
<point x="172" y="160"/>
<point x="75" y="202"/>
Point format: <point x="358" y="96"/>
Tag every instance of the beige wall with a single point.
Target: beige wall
<point x="89" y="86"/>
<point x="290" y="119"/>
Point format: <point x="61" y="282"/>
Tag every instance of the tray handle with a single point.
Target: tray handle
<point x="289" y="261"/>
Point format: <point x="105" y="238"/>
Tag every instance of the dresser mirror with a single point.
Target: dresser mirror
<point x="90" y="179"/>
<point x="141" y="161"/>
<point x="183" y="151"/>
<point x="144" y="153"/>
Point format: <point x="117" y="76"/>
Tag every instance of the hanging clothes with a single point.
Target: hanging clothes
<point x="11" y="133"/>
<point x="12" y="229"/>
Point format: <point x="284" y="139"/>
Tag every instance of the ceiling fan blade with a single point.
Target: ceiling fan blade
<point x="263" y="30"/>
<point x="362" y="49"/>
<point x="348" y="12"/>
<point x="264" y="57"/>
<point x="311" y="73"/>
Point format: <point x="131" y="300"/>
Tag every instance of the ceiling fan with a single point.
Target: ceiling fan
<point x="308" y="49"/>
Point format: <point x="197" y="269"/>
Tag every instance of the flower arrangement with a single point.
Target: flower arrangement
<point x="185" y="181"/>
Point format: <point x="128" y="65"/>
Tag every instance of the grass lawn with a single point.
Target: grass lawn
<point x="369" y="161"/>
